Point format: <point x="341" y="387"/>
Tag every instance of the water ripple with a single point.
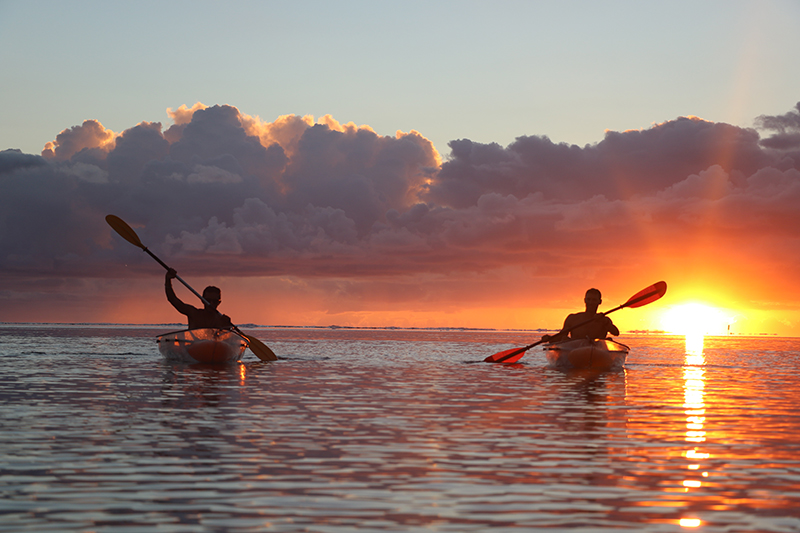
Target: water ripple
<point x="391" y="431"/>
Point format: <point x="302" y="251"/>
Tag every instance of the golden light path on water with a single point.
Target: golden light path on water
<point x="695" y="410"/>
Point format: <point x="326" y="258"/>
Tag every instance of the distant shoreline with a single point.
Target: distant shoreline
<point x="642" y="332"/>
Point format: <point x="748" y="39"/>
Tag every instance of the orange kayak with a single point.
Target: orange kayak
<point x="206" y="345"/>
<point x="600" y="354"/>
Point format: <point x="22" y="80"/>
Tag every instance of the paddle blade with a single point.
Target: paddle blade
<point x="261" y="350"/>
<point x="507" y="356"/>
<point x="124" y="230"/>
<point x="648" y="295"/>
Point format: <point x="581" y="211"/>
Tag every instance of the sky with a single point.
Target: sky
<point x="436" y="164"/>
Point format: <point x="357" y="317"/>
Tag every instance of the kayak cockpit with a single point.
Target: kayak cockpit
<point x="600" y="354"/>
<point x="203" y="345"/>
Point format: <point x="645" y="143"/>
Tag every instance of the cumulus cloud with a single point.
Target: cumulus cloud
<point x="91" y="135"/>
<point x="222" y="191"/>
<point x="216" y="181"/>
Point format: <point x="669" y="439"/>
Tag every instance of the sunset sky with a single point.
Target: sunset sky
<point x="476" y="164"/>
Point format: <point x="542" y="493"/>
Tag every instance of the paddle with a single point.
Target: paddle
<point x="643" y="297"/>
<point x="261" y="350"/>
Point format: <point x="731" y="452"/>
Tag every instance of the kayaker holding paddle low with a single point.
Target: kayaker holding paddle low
<point x="601" y="325"/>
<point x="208" y="317"/>
<point x="588" y="324"/>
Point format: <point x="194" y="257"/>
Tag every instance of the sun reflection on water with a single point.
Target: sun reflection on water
<point x="694" y="349"/>
<point x="695" y="411"/>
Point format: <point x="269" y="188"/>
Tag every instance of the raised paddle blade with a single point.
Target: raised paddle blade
<point x="261" y="350"/>
<point x="124" y="230"/>
<point x="648" y="295"/>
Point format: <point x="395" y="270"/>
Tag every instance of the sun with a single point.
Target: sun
<point x="694" y="318"/>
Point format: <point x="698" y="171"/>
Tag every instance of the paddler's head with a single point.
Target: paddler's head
<point x="213" y="296"/>
<point x="593" y="299"/>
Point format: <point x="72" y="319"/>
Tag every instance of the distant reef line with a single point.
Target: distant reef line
<point x="330" y="327"/>
<point x="264" y="326"/>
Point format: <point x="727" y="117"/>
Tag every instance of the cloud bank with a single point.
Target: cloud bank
<point x="221" y="192"/>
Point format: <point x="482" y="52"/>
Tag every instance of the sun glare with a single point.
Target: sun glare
<point x="693" y="319"/>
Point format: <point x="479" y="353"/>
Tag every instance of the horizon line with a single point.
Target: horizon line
<point x="402" y="328"/>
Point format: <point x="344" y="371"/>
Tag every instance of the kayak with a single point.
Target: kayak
<point x="600" y="354"/>
<point x="204" y="345"/>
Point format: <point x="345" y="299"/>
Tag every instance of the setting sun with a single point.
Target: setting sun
<point x="696" y="319"/>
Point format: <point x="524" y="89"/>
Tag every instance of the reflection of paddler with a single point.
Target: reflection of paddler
<point x="588" y="324"/>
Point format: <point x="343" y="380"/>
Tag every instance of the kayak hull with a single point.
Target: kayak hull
<point x="204" y="345"/>
<point x="600" y="354"/>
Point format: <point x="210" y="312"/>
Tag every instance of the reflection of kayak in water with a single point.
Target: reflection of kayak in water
<point x="204" y="345"/>
<point x="601" y="354"/>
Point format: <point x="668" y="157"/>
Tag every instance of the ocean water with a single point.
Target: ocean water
<point x="395" y="430"/>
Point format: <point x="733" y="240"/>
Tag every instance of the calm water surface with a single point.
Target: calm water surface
<point x="391" y="430"/>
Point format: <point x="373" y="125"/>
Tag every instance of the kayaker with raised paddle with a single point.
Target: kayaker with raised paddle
<point x="208" y="317"/>
<point x="588" y="324"/>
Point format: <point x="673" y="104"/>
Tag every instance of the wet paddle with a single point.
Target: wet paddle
<point x="261" y="350"/>
<point x="643" y="297"/>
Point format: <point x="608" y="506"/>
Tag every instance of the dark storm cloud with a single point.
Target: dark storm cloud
<point x="358" y="172"/>
<point x="786" y="130"/>
<point x="11" y="160"/>
<point x="48" y="219"/>
<point x="216" y="133"/>
<point x="226" y="192"/>
<point x="134" y="149"/>
<point x="620" y="166"/>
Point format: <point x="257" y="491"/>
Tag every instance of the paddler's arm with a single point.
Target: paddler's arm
<point x="610" y="327"/>
<point x="561" y="335"/>
<point x="183" y="308"/>
<point x="225" y="321"/>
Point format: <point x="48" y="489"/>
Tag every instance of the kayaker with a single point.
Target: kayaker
<point x="208" y="317"/>
<point x="587" y="324"/>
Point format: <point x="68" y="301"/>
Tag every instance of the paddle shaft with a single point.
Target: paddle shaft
<point x="166" y="267"/>
<point x="632" y="301"/>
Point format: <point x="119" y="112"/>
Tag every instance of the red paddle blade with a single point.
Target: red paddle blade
<point x="648" y="295"/>
<point x="508" y="356"/>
